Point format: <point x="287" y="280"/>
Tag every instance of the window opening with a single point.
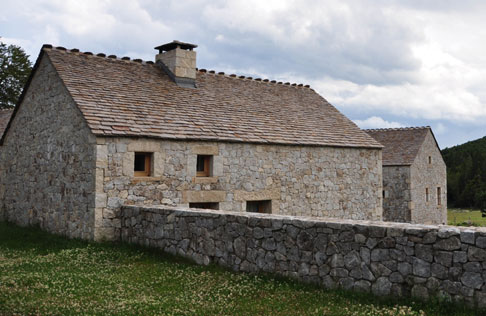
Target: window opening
<point x="203" y="165"/>
<point x="142" y="164"/>
<point x="205" y="205"/>
<point x="264" y="206"/>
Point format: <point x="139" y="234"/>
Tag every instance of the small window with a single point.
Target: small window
<point x="203" y="166"/>
<point x="439" y="202"/>
<point x="142" y="164"/>
<point x="205" y="205"/>
<point x="259" y="206"/>
<point x="426" y="194"/>
<point x="430" y="160"/>
<point x="385" y="194"/>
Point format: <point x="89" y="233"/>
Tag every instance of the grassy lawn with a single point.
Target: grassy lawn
<point x="44" y="274"/>
<point x="463" y="217"/>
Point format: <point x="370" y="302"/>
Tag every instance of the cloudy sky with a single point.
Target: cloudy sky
<point x="383" y="63"/>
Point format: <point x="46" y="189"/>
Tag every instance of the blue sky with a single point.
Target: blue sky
<point x="383" y="63"/>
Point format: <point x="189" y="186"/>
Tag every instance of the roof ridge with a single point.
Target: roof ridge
<point x="140" y="61"/>
<point x="397" y="128"/>
<point x="234" y="76"/>
<point x="100" y="55"/>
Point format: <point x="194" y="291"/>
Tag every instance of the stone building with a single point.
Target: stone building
<point x="93" y="132"/>
<point x="414" y="176"/>
<point x="4" y="118"/>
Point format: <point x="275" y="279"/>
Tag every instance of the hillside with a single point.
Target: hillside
<point x="466" y="174"/>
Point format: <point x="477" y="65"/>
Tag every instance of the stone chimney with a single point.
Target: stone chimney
<point x="179" y="61"/>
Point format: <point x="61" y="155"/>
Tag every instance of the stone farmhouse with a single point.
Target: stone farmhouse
<point x="414" y="176"/>
<point x="94" y="132"/>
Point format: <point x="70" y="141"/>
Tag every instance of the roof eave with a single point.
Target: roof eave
<point x="211" y="139"/>
<point x="22" y="95"/>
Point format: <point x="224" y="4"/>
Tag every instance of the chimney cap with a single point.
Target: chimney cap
<point x="175" y="44"/>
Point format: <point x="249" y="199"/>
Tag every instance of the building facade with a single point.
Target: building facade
<point x="94" y="132"/>
<point x="414" y="176"/>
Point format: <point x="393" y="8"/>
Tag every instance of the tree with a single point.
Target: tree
<point x="466" y="174"/>
<point x="15" y="69"/>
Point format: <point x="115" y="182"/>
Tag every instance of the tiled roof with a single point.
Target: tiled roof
<point x="135" y="98"/>
<point x="401" y="144"/>
<point x="4" y="118"/>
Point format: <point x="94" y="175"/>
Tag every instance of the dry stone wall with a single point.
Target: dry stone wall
<point x="299" y="180"/>
<point x="382" y="258"/>
<point x="47" y="161"/>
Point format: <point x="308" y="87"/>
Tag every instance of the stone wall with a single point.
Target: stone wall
<point x="311" y="181"/>
<point x="47" y="162"/>
<point x="382" y="258"/>
<point x="396" y="194"/>
<point x="428" y="175"/>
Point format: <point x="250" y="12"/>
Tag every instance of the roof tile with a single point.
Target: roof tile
<point x="401" y="144"/>
<point x="127" y="98"/>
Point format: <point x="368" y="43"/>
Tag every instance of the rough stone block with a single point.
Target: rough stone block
<point x="421" y="268"/>
<point x="381" y="287"/>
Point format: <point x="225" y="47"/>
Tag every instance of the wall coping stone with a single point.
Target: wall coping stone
<point x="443" y="230"/>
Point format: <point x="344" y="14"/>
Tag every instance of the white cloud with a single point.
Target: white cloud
<point x="376" y="122"/>
<point x="342" y="39"/>
<point x="415" y="61"/>
<point x="90" y="25"/>
<point x="440" y="129"/>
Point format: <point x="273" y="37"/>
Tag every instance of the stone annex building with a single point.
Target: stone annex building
<point x="91" y="133"/>
<point x="414" y="176"/>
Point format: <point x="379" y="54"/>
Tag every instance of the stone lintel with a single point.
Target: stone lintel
<point x="203" y="196"/>
<point x="205" y="150"/>
<point x="204" y="180"/>
<point x="144" y="145"/>
<point x="269" y="194"/>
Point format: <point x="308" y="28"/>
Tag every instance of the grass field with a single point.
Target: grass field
<point x="43" y="274"/>
<point x="464" y="217"/>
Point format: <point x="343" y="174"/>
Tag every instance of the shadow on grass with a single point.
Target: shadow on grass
<point x="38" y="242"/>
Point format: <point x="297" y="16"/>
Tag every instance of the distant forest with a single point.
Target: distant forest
<point x="466" y="174"/>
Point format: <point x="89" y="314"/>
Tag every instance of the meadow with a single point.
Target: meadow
<point x="44" y="274"/>
<point x="465" y="217"/>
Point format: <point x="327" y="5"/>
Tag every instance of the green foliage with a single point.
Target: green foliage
<point x="15" y="69"/>
<point x="466" y="174"/>
<point x="43" y="274"/>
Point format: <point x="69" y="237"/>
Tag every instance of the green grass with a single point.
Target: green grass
<point x="463" y="217"/>
<point x="44" y="274"/>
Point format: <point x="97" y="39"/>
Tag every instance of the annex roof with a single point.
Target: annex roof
<point x="401" y="144"/>
<point x="133" y="98"/>
<point x="4" y="118"/>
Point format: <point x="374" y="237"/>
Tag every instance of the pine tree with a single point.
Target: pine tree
<point x="15" y="69"/>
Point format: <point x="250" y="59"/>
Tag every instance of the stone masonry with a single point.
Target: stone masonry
<point x="299" y="180"/>
<point x="381" y="258"/>
<point x="67" y="157"/>
<point x="396" y="194"/>
<point x="47" y="161"/>
<point x="428" y="175"/>
<point x="414" y="175"/>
